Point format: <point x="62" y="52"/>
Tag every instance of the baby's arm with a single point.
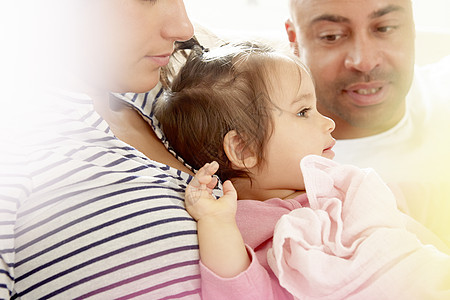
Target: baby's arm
<point x="222" y="248"/>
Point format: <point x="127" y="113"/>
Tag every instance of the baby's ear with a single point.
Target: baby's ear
<point x="240" y="156"/>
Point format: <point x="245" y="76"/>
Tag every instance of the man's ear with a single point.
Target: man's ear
<point x="292" y="36"/>
<point x="234" y="149"/>
<point x="290" y="30"/>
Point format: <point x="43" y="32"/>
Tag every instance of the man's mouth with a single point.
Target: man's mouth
<point x="366" y="92"/>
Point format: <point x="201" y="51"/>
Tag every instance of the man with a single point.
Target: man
<point x="361" y="55"/>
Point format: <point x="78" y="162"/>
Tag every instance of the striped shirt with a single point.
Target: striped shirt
<point x="85" y="215"/>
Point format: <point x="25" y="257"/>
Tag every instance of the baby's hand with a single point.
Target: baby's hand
<point x="199" y="201"/>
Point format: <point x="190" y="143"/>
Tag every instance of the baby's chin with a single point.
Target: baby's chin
<point x="328" y="153"/>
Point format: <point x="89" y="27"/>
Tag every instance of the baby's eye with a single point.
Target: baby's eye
<point x="304" y="112"/>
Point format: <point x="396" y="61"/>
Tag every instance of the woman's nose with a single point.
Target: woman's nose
<point x="178" y="26"/>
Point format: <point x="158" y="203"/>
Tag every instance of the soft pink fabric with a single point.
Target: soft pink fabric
<point x="349" y="242"/>
<point x="352" y="243"/>
<point x="253" y="284"/>
<point x="256" y="221"/>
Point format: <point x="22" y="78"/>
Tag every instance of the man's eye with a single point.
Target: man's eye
<point x="331" y="38"/>
<point x="386" y="29"/>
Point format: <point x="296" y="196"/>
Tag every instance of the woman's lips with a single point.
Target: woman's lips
<point x="161" y="60"/>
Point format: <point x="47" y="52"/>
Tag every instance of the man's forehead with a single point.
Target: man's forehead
<point x="316" y="3"/>
<point x="341" y="10"/>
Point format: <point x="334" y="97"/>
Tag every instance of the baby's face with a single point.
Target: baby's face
<point x="298" y="128"/>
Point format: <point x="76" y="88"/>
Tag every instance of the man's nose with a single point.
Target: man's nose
<point x="363" y="54"/>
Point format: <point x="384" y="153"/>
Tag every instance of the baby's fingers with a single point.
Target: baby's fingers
<point x="204" y="175"/>
<point x="209" y="169"/>
<point x="229" y="190"/>
<point x="202" y="183"/>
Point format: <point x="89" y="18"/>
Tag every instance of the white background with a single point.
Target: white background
<point x="266" y="18"/>
<point x="270" y="14"/>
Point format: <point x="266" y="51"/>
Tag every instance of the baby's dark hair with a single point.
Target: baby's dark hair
<point x="217" y="91"/>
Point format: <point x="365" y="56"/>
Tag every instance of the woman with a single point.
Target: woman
<point x="91" y="202"/>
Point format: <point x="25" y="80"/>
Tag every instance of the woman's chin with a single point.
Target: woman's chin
<point x="143" y="83"/>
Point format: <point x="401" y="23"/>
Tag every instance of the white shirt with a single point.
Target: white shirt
<point x="415" y="153"/>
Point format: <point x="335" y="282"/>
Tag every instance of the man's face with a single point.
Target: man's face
<point x="361" y="55"/>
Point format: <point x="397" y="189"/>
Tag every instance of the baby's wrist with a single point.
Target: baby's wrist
<point x="214" y="220"/>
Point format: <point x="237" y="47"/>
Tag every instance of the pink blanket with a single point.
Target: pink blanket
<point x="352" y="243"/>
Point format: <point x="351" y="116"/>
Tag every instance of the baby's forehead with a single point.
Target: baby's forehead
<point x="287" y="79"/>
<point x="283" y="67"/>
<point x="286" y="63"/>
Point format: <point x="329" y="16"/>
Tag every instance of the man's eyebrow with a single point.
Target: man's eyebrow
<point x="330" y="18"/>
<point x="385" y="11"/>
<point x="340" y="19"/>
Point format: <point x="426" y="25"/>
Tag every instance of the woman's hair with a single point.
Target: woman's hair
<point x="217" y="91"/>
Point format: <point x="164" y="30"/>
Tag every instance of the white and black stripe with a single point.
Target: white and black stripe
<point x="84" y="215"/>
